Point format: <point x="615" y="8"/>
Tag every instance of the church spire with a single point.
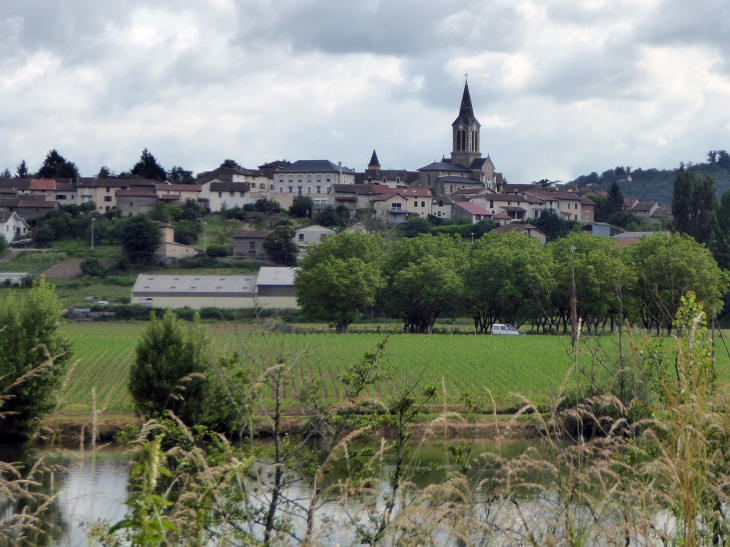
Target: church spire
<point x="374" y="160"/>
<point x="466" y="100"/>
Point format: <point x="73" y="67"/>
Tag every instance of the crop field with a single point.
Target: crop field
<point x="533" y="366"/>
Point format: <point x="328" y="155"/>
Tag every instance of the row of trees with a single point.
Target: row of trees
<point x="508" y="278"/>
<point x="147" y="167"/>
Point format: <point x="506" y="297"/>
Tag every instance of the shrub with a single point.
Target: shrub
<point x="92" y="267"/>
<point x="218" y="250"/>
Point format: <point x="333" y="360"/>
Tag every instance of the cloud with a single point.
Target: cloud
<point x="562" y="88"/>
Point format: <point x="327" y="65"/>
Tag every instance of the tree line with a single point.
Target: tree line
<point x="506" y="278"/>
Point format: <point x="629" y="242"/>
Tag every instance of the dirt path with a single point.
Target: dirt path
<point x="66" y="269"/>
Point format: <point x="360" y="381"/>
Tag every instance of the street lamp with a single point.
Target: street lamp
<point x="92" y="233"/>
<point x="472" y="238"/>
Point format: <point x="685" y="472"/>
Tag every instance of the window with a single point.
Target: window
<point x="108" y="189"/>
<point x="242" y="194"/>
<point x="220" y="194"/>
<point x="309" y="189"/>
<point x="309" y="178"/>
<point x="251" y="244"/>
<point x="262" y="186"/>
<point x="397" y="179"/>
<point x="479" y="217"/>
<point x="423" y="204"/>
<point x="281" y="179"/>
<point x="281" y="189"/>
<point x="383" y="179"/>
<point x="299" y="190"/>
<point x="319" y="189"/>
<point x="131" y="204"/>
<point x="60" y="196"/>
<point x="441" y="203"/>
<point x="415" y="203"/>
<point x="291" y="189"/>
<point x="301" y="237"/>
<point x="395" y="206"/>
<point x="291" y="178"/>
<point x="326" y="189"/>
<point x="576" y="205"/>
<point x="438" y="213"/>
<point x="491" y="204"/>
<point x="233" y="194"/>
<point x="328" y="178"/>
<point x="107" y="198"/>
<point x="576" y="217"/>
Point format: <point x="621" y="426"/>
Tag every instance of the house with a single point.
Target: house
<point x="502" y="218"/>
<point x="356" y="197"/>
<point x="442" y="206"/>
<point x="644" y="208"/>
<point x="311" y="235"/>
<point x="275" y="288"/>
<point x="247" y="186"/>
<point x="29" y="207"/>
<point x="169" y="251"/>
<point x="311" y="178"/>
<point x="249" y="243"/>
<point x="393" y="178"/>
<point x="527" y="229"/>
<point x="470" y="210"/>
<point x="43" y="187"/>
<point x="396" y="205"/>
<point x="626" y="239"/>
<point x="601" y="229"/>
<point x="357" y="227"/>
<point x="226" y="195"/>
<point x="12" y="227"/>
<point x="178" y="194"/>
<point x="629" y="203"/>
<point x="194" y="291"/>
<point x="661" y="213"/>
<point x="103" y="192"/>
<point x="66" y="193"/>
<point x="135" y="201"/>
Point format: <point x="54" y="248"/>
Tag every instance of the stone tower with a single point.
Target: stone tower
<point x="466" y="130"/>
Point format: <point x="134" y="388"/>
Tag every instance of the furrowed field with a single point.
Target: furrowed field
<point x="534" y="366"/>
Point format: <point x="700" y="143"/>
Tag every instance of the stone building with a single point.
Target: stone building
<point x="249" y="243"/>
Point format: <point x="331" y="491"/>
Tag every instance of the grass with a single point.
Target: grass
<point x="33" y="262"/>
<point x="534" y="366"/>
<point x="78" y="248"/>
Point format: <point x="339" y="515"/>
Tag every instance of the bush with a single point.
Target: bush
<point x="301" y="207"/>
<point x="218" y="250"/>
<point x="92" y="267"/>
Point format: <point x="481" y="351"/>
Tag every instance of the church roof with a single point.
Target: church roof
<point x="466" y="112"/>
<point x="374" y="160"/>
<point x="314" y="166"/>
<point x="445" y="166"/>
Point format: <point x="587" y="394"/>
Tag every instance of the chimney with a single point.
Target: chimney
<point x="339" y="181"/>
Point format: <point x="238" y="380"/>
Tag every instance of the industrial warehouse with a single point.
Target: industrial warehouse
<point x="271" y="288"/>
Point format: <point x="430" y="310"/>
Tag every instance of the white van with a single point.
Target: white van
<point x="506" y="330"/>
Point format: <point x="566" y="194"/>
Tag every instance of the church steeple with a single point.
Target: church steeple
<point x="373" y="161"/>
<point x="466" y="133"/>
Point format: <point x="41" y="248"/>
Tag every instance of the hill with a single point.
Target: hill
<point x="655" y="184"/>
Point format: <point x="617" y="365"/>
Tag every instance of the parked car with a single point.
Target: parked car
<point x="506" y="330"/>
<point x="101" y="303"/>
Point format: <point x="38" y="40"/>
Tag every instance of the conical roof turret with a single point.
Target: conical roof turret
<point x="374" y="160"/>
<point x="466" y="112"/>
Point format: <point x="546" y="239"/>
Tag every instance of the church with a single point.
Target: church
<point x="465" y="169"/>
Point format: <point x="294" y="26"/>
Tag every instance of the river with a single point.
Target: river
<point x="93" y="486"/>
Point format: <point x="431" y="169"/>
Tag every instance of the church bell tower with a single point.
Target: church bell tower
<point x="466" y="135"/>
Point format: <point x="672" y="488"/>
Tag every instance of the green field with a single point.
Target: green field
<point x="534" y="366"/>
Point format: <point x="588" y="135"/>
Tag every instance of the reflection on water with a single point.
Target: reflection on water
<point x="94" y="486"/>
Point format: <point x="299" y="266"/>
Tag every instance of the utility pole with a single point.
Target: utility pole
<point x="205" y="237"/>
<point x="92" y="233"/>
<point x="573" y="302"/>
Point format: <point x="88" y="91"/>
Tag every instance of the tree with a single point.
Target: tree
<point x="231" y="164"/>
<point x="301" y="207"/>
<point x="280" y="247"/>
<point x="167" y="374"/>
<point x="3" y="244"/>
<point x="178" y="175"/>
<point x="550" y="224"/>
<point x="267" y="206"/>
<point x="339" y="278"/>
<point x="142" y="237"/>
<point x="721" y="240"/>
<point x="615" y="200"/>
<point x="92" y="267"/>
<point x="424" y="280"/>
<point x="667" y="267"/>
<point x="509" y="278"/>
<point x="331" y="217"/>
<point x="105" y="173"/>
<point x="723" y="159"/>
<point x="604" y="281"/>
<point x="148" y="168"/>
<point x="712" y="156"/>
<point x="6" y="174"/>
<point x="186" y="232"/>
<point x="21" y="171"/>
<point x="693" y="206"/>
<point x="56" y="166"/>
<point x="414" y="227"/>
<point x="33" y="345"/>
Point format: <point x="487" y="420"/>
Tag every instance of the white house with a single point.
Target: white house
<point x="311" y="178"/>
<point x="13" y="227"/>
<point x="311" y="235"/>
<point x="227" y="195"/>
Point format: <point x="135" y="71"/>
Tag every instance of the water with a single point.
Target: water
<point x="93" y="487"/>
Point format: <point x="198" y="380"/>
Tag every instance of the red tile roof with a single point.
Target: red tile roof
<point x="474" y="208"/>
<point x="42" y="184"/>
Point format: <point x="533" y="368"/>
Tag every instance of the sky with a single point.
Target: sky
<point x="561" y="88"/>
